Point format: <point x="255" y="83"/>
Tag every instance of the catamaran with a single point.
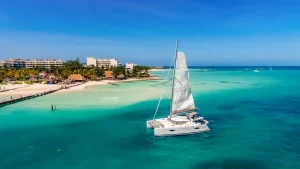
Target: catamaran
<point x="183" y="118"/>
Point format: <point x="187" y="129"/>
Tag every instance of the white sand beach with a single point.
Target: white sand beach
<point x="157" y="70"/>
<point x="103" y="82"/>
<point x="24" y="90"/>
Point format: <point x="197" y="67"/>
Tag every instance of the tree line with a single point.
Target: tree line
<point x="70" y="67"/>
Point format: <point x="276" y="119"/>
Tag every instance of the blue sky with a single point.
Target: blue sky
<point x="211" y="32"/>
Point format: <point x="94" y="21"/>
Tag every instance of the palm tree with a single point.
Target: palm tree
<point x="66" y="73"/>
<point x="136" y="71"/>
<point x="22" y="73"/>
<point x="118" y="70"/>
<point x="99" y="72"/>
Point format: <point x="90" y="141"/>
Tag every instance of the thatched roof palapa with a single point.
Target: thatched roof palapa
<point x="108" y="74"/>
<point x="76" y="77"/>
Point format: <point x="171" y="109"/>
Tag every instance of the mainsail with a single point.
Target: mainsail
<point x="182" y="99"/>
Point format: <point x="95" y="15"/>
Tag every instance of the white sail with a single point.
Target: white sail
<point x="182" y="99"/>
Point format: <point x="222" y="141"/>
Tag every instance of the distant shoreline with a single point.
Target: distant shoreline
<point x="103" y="82"/>
<point x="38" y="88"/>
<point x="156" y="70"/>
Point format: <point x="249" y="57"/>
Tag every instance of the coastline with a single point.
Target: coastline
<point x="103" y="82"/>
<point x="156" y="70"/>
<point x="37" y="88"/>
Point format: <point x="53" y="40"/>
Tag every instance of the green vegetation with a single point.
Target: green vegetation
<point x="18" y="82"/>
<point x="29" y="83"/>
<point x="138" y="71"/>
<point x="2" y="82"/>
<point x="69" y="67"/>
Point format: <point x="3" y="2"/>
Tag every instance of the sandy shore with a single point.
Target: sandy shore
<point x="24" y="90"/>
<point x="103" y="82"/>
<point x="27" y="90"/>
<point x="157" y="70"/>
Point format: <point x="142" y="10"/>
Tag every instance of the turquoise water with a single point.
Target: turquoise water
<point x="254" y="120"/>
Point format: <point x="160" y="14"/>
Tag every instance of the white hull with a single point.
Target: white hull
<point x="180" y="130"/>
<point x="165" y="128"/>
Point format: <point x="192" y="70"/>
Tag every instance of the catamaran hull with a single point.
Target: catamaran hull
<point x="174" y="130"/>
<point x="180" y="130"/>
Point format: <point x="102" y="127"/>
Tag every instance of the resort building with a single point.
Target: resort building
<point x="43" y="63"/>
<point x="2" y="63"/>
<point x="102" y="62"/>
<point x="14" y="63"/>
<point x="129" y="66"/>
<point x="21" y="63"/>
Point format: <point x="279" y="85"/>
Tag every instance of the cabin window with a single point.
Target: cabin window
<point x="197" y="128"/>
<point x="171" y="130"/>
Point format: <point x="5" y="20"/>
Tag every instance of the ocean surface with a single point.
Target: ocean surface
<point x="254" y="120"/>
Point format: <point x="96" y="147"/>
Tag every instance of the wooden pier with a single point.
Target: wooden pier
<point x="22" y="98"/>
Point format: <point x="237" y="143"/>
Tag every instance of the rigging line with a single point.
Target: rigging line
<point x="162" y="91"/>
<point x="178" y="81"/>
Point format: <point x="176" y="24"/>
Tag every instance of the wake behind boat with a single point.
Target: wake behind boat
<point x="183" y="118"/>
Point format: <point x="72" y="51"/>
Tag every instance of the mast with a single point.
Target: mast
<point x="167" y="79"/>
<point x="176" y="50"/>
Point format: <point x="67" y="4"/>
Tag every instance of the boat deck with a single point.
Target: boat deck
<point x="155" y="124"/>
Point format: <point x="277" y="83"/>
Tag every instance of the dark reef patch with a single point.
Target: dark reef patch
<point x="255" y="84"/>
<point x="231" y="163"/>
<point x="224" y="82"/>
<point x="252" y="103"/>
<point x="226" y="107"/>
<point x="140" y="141"/>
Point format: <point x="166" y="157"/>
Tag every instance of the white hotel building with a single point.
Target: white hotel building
<point x="43" y="63"/>
<point x="21" y="63"/>
<point x="102" y="62"/>
<point x="129" y="66"/>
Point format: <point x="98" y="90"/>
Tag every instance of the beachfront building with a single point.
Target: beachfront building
<point x="101" y="62"/>
<point x="2" y="63"/>
<point x="129" y="66"/>
<point x="44" y="63"/>
<point x="14" y="63"/>
<point x="22" y="63"/>
<point x="42" y="75"/>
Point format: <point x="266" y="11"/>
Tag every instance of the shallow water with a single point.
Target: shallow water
<point x="254" y="121"/>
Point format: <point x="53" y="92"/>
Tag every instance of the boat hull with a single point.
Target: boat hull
<point x="180" y="130"/>
<point x="162" y="127"/>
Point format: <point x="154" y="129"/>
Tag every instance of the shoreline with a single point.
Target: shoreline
<point x="156" y="70"/>
<point x="102" y="82"/>
<point x="38" y="88"/>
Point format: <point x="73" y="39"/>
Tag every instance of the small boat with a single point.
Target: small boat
<point x="246" y="70"/>
<point x="183" y="118"/>
<point x="256" y="71"/>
